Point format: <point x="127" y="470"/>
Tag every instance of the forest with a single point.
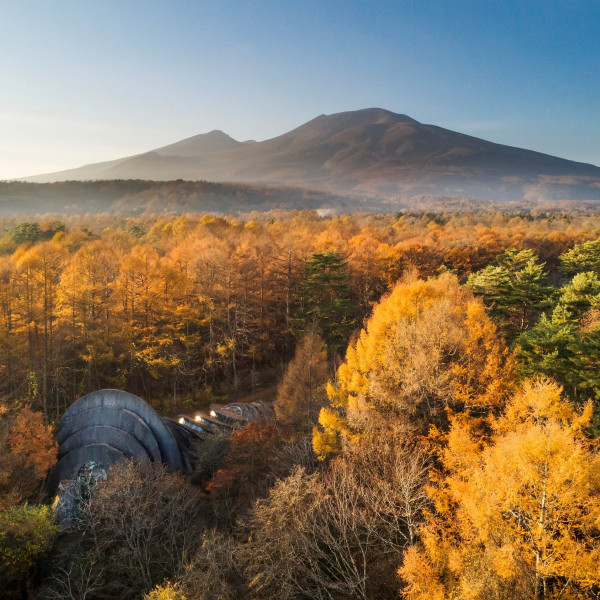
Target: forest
<point x="435" y="379"/>
<point x="134" y="197"/>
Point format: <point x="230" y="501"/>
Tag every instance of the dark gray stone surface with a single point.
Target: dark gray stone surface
<point x="112" y="416"/>
<point x="105" y="434"/>
<point x="169" y="451"/>
<point x="186" y="441"/>
<point x="68" y="466"/>
<point x="249" y="411"/>
<point x="227" y="414"/>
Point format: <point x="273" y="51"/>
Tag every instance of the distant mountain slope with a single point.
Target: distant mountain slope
<point x="371" y="151"/>
<point x="200" y="145"/>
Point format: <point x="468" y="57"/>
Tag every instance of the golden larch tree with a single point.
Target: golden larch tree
<point x="301" y="393"/>
<point x="517" y="517"/>
<point x="429" y="346"/>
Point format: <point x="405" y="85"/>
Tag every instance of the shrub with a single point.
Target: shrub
<point x="26" y="533"/>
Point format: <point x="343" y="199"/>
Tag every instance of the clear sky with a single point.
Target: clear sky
<point x="88" y="80"/>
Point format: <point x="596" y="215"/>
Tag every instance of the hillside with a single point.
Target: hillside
<point x="134" y="197"/>
<point x="371" y="152"/>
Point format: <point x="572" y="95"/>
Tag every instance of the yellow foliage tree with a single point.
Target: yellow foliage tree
<point x="301" y="394"/>
<point x="519" y="518"/>
<point x="428" y="346"/>
<point x="168" y="591"/>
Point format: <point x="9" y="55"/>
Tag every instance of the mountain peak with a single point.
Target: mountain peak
<point x="367" y="116"/>
<point x="358" y="118"/>
<point x="203" y="143"/>
<point x="325" y="127"/>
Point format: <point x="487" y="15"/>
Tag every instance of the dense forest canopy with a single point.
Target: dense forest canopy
<point x="435" y="381"/>
<point x="172" y="308"/>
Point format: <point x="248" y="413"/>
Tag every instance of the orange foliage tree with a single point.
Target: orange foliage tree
<point x="516" y="516"/>
<point x="301" y="393"/>
<point x="170" y="307"/>
<point x="28" y="450"/>
<point x="429" y="346"/>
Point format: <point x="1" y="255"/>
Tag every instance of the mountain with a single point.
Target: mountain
<point x="373" y="152"/>
<point x="200" y="145"/>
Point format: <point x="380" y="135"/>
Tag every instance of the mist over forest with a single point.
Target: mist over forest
<point x="128" y="198"/>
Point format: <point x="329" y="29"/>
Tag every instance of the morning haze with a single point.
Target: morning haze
<point x="372" y="152"/>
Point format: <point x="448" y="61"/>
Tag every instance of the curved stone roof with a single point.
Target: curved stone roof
<point x="113" y="416"/>
<point x="108" y="426"/>
<point x="105" y="434"/>
<point x="125" y="401"/>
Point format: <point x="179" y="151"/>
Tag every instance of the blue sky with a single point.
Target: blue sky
<point x="83" y="80"/>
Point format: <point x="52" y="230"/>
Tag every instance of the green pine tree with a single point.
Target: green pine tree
<point x="581" y="257"/>
<point x="324" y="298"/>
<point x="513" y="289"/>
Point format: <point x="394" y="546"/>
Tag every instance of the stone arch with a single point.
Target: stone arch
<point x="169" y="450"/>
<point x="105" y="434"/>
<point x="113" y="416"/>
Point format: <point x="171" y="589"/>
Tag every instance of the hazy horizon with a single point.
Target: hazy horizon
<point x="87" y="83"/>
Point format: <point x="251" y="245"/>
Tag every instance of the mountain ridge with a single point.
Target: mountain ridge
<point x="370" y="151"/>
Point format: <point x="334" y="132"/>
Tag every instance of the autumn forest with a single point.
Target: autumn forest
<point x="435" y="383"/>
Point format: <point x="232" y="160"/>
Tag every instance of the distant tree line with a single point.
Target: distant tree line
<point x="134" y="197"/>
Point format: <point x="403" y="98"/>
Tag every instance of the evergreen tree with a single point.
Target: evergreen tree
<point x="513" y="289"/>
<point x="549" y="348"/>
<point x="581" y="257"/>
<point x="580" y="294"/>
<point x="325" y="300"/>
<point x="567" y="349"/>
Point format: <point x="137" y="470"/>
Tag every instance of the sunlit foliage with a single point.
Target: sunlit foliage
<point x="174" y="308"/>
<point x="429" y="346"/>
<point x="516" y="515"/>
